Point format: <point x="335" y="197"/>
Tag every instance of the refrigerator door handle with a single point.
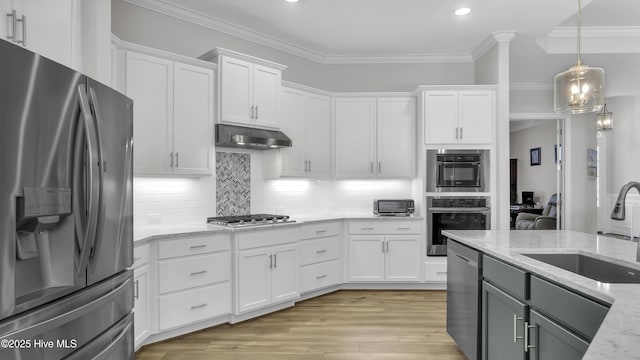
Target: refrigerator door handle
<point x="102" y="168"/>
<point x="94" y="187"/>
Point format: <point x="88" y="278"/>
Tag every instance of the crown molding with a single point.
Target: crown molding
<point x="594" y="40"/>
<point x="170" y="9"/>
<point x="491" y="41"/>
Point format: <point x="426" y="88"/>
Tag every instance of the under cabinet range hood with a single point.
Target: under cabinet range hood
<point x="250" y="138"/>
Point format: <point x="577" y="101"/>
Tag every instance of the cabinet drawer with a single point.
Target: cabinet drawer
<point x="258" y="238"/>
<point x="184" y="273"/>
<point x="140" y="255"/>
<point x="506" y="277"/>
<point x="313" y="251"/>
<point x="322" y="229"/>
<point x="435" y="272"/>
<point x="193" y="245"/>
<point x="385" y="227"/>
<point x="572" y="310"/>
<point x="194" y="305"/>
<point x="317" y="276"/>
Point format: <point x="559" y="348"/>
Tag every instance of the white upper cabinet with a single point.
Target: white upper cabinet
<point x="248" y="88"/>
<point x="172" y="116"/>
<point x="305" y="117"/>
<point x="375" y="137"/>
<point x="464" y="115"/>
<point x="51" y="28"/>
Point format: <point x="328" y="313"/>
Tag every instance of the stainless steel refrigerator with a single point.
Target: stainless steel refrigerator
<point x="66" y="229"/>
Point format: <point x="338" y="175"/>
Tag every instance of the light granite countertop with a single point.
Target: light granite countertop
<point x="152" y="232"/>
<point x="619" y="335"/>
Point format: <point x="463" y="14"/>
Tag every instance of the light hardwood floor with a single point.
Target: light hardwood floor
<point x="345" y="325"/>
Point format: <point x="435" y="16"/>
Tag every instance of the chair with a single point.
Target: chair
<point x="545" y="221"/>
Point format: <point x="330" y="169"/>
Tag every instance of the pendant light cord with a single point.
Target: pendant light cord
<point x="578" y="63"/>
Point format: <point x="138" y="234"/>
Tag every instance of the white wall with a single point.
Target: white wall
<point x="531" y="101"/>
<point x="146" y="27"/>
<point x="540" y="179"/>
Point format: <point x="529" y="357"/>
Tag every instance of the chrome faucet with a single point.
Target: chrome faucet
<point x="618" y="209"/>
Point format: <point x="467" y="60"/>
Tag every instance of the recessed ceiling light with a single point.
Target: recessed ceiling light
<point x="292" y="1"/>
<point x="459" y="12"/>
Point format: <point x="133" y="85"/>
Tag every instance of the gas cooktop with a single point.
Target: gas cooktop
<point x="249" y="220"/>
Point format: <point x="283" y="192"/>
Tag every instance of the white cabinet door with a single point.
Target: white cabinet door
<point x="355" y="137"/>
<point x="140" y="305"/>
<point x="476" y="112"/>
<point x="192" y="119"/>
<point x="318" y="137"/>
<point x="366" y="258"/>
<point x="235" y="90"/>
<point x="266" y="89"/>
<point x="149" y="82"/>
<point x="396" y="137"/>
<point x="254" y="279"/>
<point x="402" y="261"/>
<point x="440" y="117"/>
<point x="292" y="123"/>
<point x="284" y="274"/>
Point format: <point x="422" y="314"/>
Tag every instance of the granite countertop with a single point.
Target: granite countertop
<point x="152" y="232"/>
<point x="619" y="335"/>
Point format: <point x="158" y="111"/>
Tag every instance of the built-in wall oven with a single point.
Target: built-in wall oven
<point x="454" y="170"/>
<point x="454" y="213"/>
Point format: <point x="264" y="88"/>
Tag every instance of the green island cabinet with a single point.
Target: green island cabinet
<point x="527" y="317"/>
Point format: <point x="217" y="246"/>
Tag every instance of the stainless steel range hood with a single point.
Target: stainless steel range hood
<point x="250" y="138"/>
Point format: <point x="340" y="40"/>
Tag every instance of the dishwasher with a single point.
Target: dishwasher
<point x="463" y="297"/>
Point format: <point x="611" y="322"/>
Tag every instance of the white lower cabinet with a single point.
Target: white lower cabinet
<point x="268" y="274"/>
<point x="194" y="279"/>
<point x="391" y="252"/>
<point x="435" y="270"/>
<point x="320" y="256"/>
<point x="141" y="299"/>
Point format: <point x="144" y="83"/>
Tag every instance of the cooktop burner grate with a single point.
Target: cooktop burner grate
<point x="249" y="220"/>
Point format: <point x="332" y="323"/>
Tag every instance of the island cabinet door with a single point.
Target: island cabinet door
<point x="503" y="320"/>
<point x="550" y="341"/>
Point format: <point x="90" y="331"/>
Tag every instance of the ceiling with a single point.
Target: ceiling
<point x="401" y="31"/>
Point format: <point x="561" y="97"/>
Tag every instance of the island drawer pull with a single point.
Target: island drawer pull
<point x="198" y="272"/>
<point x="321" y="276"/>
<point x="198" y="306"/>
<point x="321" y="251"/>
<point x="193" y="247"/>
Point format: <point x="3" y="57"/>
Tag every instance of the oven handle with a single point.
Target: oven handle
<point x="458" y="210"/>
<point x="457" y="162"/>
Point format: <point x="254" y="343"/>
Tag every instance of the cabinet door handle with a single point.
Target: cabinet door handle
<point x="12" y="15"/>
<point x="22" y="20"/>
<point x="136" y="290"/>
<point x="526" y="336"/>
<point x="177" y="159"/>
<point x="321" y="277"/>
<point x="387" y="246"/>
<point x="194" y="247"/>
<point x="198" y="306"/>
<point x="251" y="112"/>
<point x="457" y="133"/>
<point x="257" y="116"/>
<point x="309" y="165"/>
<point x="270" y="261"/>
<point x="371" y="167"/>
<point x="275" y="260"/>
<point x="515" y="328"/>
<point x="379" y="167"/>
<point x="198" y="272"/>
<point x="171" y="157"/>
<point x="460" y="133"/>
<point x="321" y="251"/>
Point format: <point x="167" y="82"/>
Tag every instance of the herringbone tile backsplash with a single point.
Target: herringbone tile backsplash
<point x="233" y="185"/>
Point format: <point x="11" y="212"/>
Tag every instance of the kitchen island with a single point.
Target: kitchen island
<point x="618" y="337"/>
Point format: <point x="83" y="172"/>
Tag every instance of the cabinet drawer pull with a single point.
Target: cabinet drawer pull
<point x="198" y="272"/>
<point x="136" y="291"/>
<point x="321" y="251"/>
<point x="135" y="259"/>
<point x="366" y="228"/>
<point x="321" y="231"/>
<point x="441" y="273"/>
<point x="515" y="328"/>
<point x="193" y="247"/>
<point x="403" y="228"/>
<point x="198" y="306"/>
<point x="321" y="277"/>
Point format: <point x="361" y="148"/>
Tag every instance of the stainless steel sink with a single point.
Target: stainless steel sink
<point x="593" y="268"/>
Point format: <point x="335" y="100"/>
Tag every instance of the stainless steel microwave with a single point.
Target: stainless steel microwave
<point x="394" y="207"/>
<point x="450" y="170"/>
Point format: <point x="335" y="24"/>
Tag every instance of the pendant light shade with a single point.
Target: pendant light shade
<point x="604" y="119"/>
<point x="581" y="88"/>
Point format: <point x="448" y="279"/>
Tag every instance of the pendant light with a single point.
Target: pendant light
<point x="581" y="88"/>
<point x="604" y="119"/>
